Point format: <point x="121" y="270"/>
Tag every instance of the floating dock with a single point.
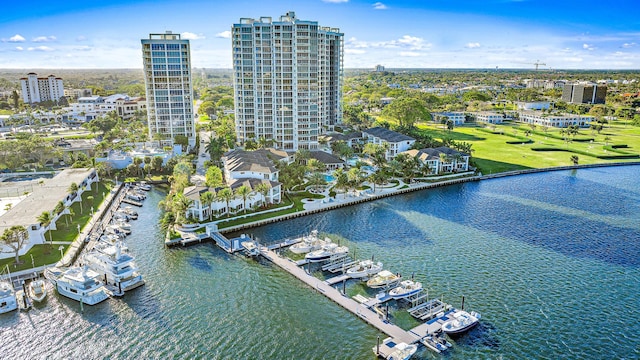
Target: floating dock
<point x="362" y="307"/>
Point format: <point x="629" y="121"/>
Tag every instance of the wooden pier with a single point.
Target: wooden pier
<point x="132" y="202"/>
<point x="360" y="308"/>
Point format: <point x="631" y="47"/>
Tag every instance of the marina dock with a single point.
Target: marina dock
<point x="364" y="308"/>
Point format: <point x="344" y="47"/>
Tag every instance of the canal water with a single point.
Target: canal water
<point x="550" y="260"/>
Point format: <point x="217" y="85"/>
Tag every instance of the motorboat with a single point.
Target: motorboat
<point x="406" y="289"/>
<point x="461" y="322"/>
<point x="436" y="342"/>
<point x="78" y="283"/>
<point x="327" y="252"/>
<point x="125" y="226"/>
<point x="252" y="247"/>
<point x="115" y="267"/>
<point x="364" y="268"/>
<point x="116" y="230"/>
<point x="309" y="243"/>
<point x="402" y="351"/>
<point x="135" y="197"/>
<point x="37" y="290"/>
<point x="144" y="186"/>
<point x="7" y="297"/>
<point x="129" y="211"/>
<point x="383" y="279"/>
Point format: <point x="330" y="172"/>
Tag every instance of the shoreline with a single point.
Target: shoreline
<point x="412" y="188"/>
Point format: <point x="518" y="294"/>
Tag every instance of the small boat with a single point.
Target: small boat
<point x="251" y="246"/>
<point x="128" y="210"/>
<point x="78" y="283"/>
<point x="402" y="351"/>
<point x="7" y="297"/>
<point x="144" y="186"/>
<point x="406" y="289"/>
<point x="309" y="243"/>
<point x="364" y="268"/>
<point x="37" y="290"/>
<point x="436" y="343"/>
<point x="383" y="279"/>
<point x="327" y="252"/>
<point x="462" y="321"/>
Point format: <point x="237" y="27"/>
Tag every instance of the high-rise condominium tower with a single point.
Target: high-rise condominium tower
<point x="167" y="73"/>
<point x="287" y="80"/>
<point x="35" y="89"/>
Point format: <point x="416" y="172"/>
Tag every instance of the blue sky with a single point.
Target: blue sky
<point x="563" y="34"/>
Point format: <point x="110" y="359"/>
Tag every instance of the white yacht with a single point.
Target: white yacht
<point x="251" y="247"/>
<point x="461" y="321"/>
<point x="37" y="290"/>
<point x="364" y="268"/>
<point x="7" y="297"/>
<point x="115" y="267"/>
<point x="144" y="186"/>
<point x="326" y="252"/>
<point x="383" y="279"/>
<point x="309" y="243"/>
<point x="78" y="283"/>
<point x="406" y="289"/>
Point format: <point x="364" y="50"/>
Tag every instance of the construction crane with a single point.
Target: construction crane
<point x="538" y="63"/>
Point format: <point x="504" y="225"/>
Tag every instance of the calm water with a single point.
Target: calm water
<point x="552" y="261"/>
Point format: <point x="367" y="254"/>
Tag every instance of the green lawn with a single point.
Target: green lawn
<point x="493" y="154"/>
<point x="42" y="255"/>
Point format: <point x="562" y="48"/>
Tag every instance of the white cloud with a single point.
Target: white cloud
<point x="354" y="51"/>
<point x="379" y="6"/>
<point x="588" y="47"/>
<point x="335" y="1"/>
<point x="473" y="45"/>
<point x="628" y="45"/>
<point x="409" y="53"/>
<point x="224" y="34"/>
<point x="81" y="38"/>
<point x="16" y="38"/>
<point x="43" y="39"/>
<point x="191" y="36"/>
<point x="19" y="48"/>
<point x="40" y="48"/>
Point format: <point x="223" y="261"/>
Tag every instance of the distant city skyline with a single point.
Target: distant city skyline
<point x="397" y="34"/>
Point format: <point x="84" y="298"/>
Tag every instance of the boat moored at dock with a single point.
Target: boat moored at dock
<point x="37" y="290"/>
<point x="326" y="252"/>
<point x="78" y="283"/>
<point x="309" y="243"/>
<point x="383" y="279"/>
<point x="115" y="267"/>
<point x="406" y="289"/>
<point x="364" y="268"/>
<point x="403" y="351"/>
<point x="7" y="297"/>
<point x="462" y="322"/>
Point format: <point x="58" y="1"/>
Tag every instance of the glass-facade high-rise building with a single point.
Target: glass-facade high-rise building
<point x="167" y="73"/>
<point x="287" y="80"/>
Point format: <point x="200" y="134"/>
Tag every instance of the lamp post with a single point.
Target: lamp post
<point x="78" y="230"/>
<point x="61" y="248"/>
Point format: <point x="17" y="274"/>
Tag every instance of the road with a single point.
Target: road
<point x="198" y="177"/>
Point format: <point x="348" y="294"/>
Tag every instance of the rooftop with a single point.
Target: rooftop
<point x="240" y="160"/>
<point x="387" y="135"/>
<point x="43" y="198"/>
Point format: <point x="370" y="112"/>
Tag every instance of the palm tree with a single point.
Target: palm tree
<point x="227" y="195"/>
<point x="207" y="198"/>
<point x="302" y="155"/>
<point x="181" y="203"/>
<point x="342" y="180"/>
<point x="59" y="207"/>
<point x="245" y="193"/>
<point x="316" y="179"/>
<point x="314" y="165"/>
<point x="444" y="159"/>
<point x="45" y="219"/>
<point x="137" y="162"/>
<point x="574" y="159"/>
<point x="15" y="237"/>
<point x="378" y="177"/>
<point x="263" y="189"/>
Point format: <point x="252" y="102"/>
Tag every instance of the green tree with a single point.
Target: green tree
<point x="407" y="111"/>
<point x="245" y="193"/>
<point x="227" y="195"/>
<point x="213" y="176"/>
<point x="207" y="198"/>
<point x="45" y="219"/>
<point x="316" y="180"/>
<point x="342" y="180"/>
<point x="180" y="204"/>
<point x="263" y="189"/>
<point x="156" y="163"/>
<point x="315" y="165"/>
<point x="574" y="159"/>
<point x="15" y="237"/>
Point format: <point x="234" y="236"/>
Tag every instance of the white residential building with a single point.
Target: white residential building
<point x="554" y="120"/>
<point x="458" y="118"/>
<point x="169" y="92"/>
<point x="35" y="89"/>
<point x="533" y="105"/>
<point x="287" y="80"/>
<point x="489" y="117"/>
<point x="441" y="159"/>
<point x="395" y="141"/>
<point x="248" y="168"/>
